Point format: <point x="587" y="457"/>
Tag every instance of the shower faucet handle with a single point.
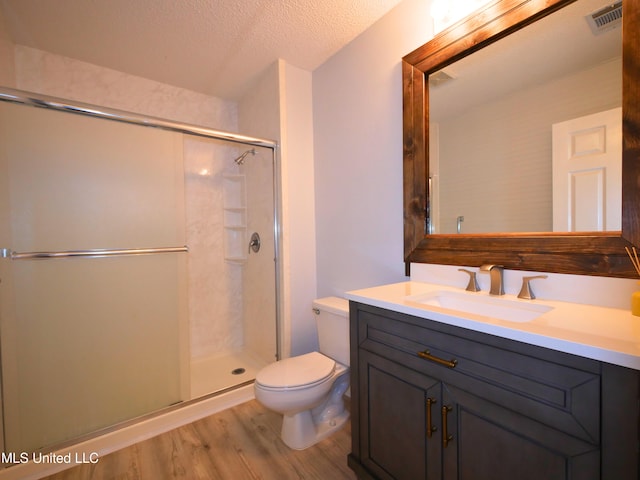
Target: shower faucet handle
<point x="254" y="243"/>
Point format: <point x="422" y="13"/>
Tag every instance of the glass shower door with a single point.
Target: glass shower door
<point x="88" y="342"/>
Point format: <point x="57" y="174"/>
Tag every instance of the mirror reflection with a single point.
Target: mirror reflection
<point x="525" y="134"/>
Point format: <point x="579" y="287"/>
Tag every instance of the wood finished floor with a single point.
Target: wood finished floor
<point x="240" y="443"/>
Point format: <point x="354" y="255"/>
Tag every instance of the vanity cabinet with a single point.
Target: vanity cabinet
<point x="434" y="401"/>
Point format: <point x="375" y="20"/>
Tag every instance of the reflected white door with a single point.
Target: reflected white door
<point x="587" y="173"/>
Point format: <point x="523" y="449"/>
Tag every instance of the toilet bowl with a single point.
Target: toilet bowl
<point x="308" y="389"/>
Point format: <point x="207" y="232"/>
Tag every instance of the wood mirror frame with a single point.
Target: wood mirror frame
<point x="586" y="253"/>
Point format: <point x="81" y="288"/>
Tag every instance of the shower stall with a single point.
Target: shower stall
<point x="138" y="267"/>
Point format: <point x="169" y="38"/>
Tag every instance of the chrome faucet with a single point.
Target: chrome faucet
<point x="496" y="274"/>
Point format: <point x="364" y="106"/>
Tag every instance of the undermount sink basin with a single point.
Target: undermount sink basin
<point x="482" y="304"/>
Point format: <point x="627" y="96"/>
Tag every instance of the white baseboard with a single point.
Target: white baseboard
<point x="91" y="450"/>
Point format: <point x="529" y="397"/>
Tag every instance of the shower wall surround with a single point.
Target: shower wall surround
<point x="215" y="285"/>
<point x="49" y="74"/>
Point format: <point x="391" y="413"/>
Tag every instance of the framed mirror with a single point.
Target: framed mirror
<point x="577" y="252"/>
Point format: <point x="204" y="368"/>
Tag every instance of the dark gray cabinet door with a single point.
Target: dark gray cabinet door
<point x="394" y="420"/>
<point x="491" y="442"/>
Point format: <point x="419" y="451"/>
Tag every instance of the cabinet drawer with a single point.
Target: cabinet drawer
<point x="554" y="388"/>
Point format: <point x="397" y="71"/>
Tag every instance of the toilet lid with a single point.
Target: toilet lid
<point x="297" y="371"/>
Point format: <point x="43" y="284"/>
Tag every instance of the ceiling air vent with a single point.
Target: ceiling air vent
<point x="440" y="77"/>
<point x="605" y="18"/>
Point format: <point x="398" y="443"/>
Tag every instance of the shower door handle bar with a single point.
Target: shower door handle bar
<point x="6" y="253"/>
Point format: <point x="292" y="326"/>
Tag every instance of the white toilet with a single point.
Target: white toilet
<point x="308" y="389"/>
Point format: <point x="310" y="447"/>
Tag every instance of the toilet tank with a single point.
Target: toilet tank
<point x="332" y="320"/>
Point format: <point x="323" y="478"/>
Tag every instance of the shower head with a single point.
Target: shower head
<point x="240" y="159"/>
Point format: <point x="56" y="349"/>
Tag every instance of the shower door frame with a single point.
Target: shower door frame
<point x="53" y="103"/>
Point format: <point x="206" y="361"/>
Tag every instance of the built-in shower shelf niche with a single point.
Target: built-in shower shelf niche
<point x="235" y="218"/>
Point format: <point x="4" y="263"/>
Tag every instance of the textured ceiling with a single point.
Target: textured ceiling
<point x="217" y="47"/>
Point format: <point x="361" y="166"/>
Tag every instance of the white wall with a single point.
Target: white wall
<point x="357" y="102"/>
<point x="299" y="205"/>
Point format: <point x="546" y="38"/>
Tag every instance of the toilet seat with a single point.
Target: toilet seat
<point x="295" y="373"/>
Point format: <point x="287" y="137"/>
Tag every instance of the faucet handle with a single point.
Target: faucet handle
<point x="472" y="286"/>
<point x="525" y="291"/>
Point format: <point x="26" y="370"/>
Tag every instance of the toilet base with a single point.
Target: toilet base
<point x="304" y="429"/>
<point x="299" y="431"/>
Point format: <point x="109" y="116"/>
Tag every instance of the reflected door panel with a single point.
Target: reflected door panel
<point x="587" y="173"/>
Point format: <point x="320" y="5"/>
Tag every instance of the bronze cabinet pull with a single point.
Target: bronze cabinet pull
<point x="430" y="427"/>
<point x="446" y="438"/>
<point x="447" y="363"/>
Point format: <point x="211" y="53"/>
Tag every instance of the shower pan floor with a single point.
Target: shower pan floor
<point x="219" y="372"/>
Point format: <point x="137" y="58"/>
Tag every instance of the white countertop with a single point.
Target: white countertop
<point x="607" y="334"/>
